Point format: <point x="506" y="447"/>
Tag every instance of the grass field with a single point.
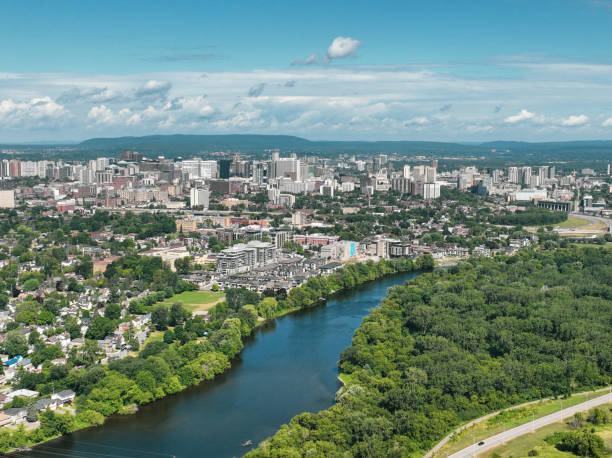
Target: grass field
<point x="496" y="425"/>
<point x="574" y="221"/>
<point x="195" y="300"/>
<point x="521" y="446"/>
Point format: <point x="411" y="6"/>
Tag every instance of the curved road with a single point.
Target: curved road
<point x="498" y="439"/>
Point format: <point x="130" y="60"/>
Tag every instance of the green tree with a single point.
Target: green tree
<point x="31" y="285"/>
<point x="15" y="344"/>
<point x="112" y="311"/>
<point x="160" y="318"/>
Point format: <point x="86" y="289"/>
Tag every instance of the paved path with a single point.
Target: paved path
<point x="498" y="439"/>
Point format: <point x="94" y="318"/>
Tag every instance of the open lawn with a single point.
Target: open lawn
<point x="574" y="221"/>
<point x="521" y="446"/>
<point x="509" y="419"/>
<point x="196" y="300"/>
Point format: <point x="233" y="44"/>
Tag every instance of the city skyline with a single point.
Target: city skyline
<point x="445" y="71"/>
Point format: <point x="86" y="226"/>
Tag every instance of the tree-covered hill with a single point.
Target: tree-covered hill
<point x="455" y="344"/>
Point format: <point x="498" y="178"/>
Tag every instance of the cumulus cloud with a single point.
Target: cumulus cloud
<point x="90" y="94"/>
<point x="312" y="59"/>
<point x="342" y="47"/>
<point x="334" y="102"/>
<point x="575" y="120"/>
<point x="36" y="112"/>
<point x="197" y="107"/>
<point x="256" y="90"/>
<point x="153" y="89"/>
<point x="522" y="115"/>
<point x="181" y="111"/>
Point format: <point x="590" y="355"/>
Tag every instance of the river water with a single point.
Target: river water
<point x="287" y="367"/>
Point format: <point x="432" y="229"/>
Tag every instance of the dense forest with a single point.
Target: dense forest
<point x="529" y="217"/>
<point x="455" y="344"/>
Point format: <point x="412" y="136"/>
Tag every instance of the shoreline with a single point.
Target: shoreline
<point x="320" y="301"/>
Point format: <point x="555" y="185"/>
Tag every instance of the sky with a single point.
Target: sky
<point x="456" y="70"/>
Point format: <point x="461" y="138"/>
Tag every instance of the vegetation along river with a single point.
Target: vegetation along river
<point x="287" y="367"/>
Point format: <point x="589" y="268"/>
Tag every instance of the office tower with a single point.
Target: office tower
<point x="224" y="168"/>
<point x="199" y="197"/>
<point x="285" y="167"/>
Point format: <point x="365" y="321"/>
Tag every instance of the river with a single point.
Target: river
<point x="287" y="367"/>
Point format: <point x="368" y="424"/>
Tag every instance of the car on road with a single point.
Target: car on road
<point x="481" y="443"/>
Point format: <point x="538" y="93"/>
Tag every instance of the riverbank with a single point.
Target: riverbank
<point x="431" y="357"/>
<point x="382" y="270"/>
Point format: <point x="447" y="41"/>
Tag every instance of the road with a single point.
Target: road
<point x="595" y="219"/>
<point x="498" y="439"/>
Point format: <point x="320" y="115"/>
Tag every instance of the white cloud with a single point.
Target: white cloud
<point x="91" y="94"/>
<point x="522" y="115"/>
<point x="342" y="47"/>
<point x="101" y="115"/>
<point x="312" y="59"/>
<point x="330" y="102"/>
<point x="196" y="106"/>
<point x="475" y="128"/>
<point x="575" y="120"/>
<point x="36" y="112"/>
<point x="153" y="89"/>
<point x="417" y="120"/>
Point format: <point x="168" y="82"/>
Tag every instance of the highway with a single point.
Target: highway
<point x="498" y="439"/>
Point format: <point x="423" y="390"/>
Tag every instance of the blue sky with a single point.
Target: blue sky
<point x="436" y="70"/>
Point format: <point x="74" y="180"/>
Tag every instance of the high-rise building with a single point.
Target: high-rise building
<point x="199" y="197"/>
<point x="224" y="168"/>
<point x="542" y="174"/>
<point x="285" y="167"/>
<point x="259" y="172"/>
<point x="526" y="175"/>
<point x="513" y="175"/>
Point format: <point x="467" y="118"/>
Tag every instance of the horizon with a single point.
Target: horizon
<point x="395" y="72"/>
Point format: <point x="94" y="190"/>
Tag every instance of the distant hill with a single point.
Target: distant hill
<point x="182" y="144"/>
<point x="189" y="144"/>
<point x="497" y="153"/>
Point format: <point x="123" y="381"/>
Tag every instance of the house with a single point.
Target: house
<point x="44" y="404"/>
<point x="26" y="363"/>
<point x="16" y="414"/>
<point x="13" y="361"/>
<point x="23" y="393"/>
<point x="64" y="397"/>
